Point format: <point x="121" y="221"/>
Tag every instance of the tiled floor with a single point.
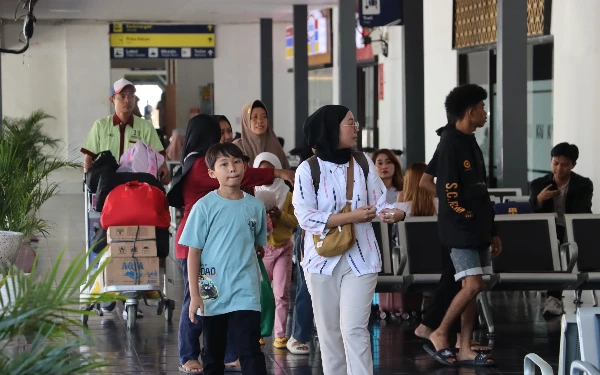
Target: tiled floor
<point x="152" y="347"/>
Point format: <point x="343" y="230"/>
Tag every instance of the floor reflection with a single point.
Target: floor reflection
<point x="152" y="347"/>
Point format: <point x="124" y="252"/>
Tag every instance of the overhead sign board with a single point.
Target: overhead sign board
<point x="318" y="35"/>
<point x="131" y="41"/>
<point x="377" y="13"/>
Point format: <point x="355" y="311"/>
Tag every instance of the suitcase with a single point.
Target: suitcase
<point x="399" y="305"/>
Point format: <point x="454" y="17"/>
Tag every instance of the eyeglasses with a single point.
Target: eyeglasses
<point x="356" y="126"/>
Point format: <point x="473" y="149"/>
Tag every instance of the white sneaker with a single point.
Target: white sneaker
<point x="140" y="314"/>
<point x="553" y="307"/>
<point x="297" y="347"/>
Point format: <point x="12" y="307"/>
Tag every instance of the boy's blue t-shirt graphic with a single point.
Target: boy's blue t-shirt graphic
<point x="227" y="231"/>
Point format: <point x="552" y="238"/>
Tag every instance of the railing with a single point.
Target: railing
<point x="533" y="361"/>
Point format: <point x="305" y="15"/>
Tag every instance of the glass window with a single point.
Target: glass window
<point x="320" y="88"/>
<point x="472" y="69"/>
<point x="475" y="70"/>
<point x="540" y="119"/>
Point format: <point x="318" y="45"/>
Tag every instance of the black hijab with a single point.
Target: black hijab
<point x="221" y="117"/>
<point x="203" y="132"/>
<point x="322" y="132"/>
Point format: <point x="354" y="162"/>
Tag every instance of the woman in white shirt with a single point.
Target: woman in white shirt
<point x="415" y="200"/>
<point x="341" y="286"/>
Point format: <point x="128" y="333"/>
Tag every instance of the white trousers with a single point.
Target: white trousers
<point x="342" y="306"/>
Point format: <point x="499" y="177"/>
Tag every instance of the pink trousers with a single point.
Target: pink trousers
<point x="278" y="262"/>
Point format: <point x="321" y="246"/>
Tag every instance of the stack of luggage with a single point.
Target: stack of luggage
<point x="135" y="218"/>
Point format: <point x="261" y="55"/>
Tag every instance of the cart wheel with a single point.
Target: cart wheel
<point x="131" y="316"/>
<point x="84" y="319"/>
<point x="383" y="315"/>
<point x="169" y="310"/>
<point x="405" y="316"/>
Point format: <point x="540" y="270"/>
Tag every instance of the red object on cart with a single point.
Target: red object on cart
<point x="136" y="203"/>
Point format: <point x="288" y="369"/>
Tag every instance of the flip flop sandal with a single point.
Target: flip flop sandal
<point x="442" y="356"/>
<point x="191" y="372"/>
<point x="233" y="369"/>
<point x="481" y="360"/>
<point x="473" y="348"/>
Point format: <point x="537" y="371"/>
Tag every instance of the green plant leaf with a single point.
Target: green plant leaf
<point x="36" y="306"/>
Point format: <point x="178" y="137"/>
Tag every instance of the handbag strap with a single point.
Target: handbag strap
<point x="350" y="181"/>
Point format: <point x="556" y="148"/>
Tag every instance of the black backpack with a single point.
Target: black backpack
<point x="315" y="169"/>
<point x="104" y="162"/>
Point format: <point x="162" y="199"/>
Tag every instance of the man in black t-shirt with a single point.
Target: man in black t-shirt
<point x="465" y="222"/>
<point x="448" y="287"/>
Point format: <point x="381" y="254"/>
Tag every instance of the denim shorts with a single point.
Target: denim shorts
<point x="471" y="262"/>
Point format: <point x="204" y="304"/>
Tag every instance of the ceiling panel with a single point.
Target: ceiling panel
<point x="186" y="11"/>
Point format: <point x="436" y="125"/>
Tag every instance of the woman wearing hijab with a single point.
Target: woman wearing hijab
<point x="226" y="129"/>
<point x="190" y="184"/>
<point x="341" y="286"/>
<point x="279" y="249"/>
<point x="257" y="135"/>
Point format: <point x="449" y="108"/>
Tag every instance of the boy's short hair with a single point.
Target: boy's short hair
<point x="567" y="150"/>
<point x="462" y="98"/>
<point x="222" y="150"/>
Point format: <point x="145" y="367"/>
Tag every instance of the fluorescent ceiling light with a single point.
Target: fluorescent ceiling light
<point x="64" y="10"/>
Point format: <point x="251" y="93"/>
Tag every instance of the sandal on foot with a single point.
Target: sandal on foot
<point x="297" y="347"/>
<point x="280" y="343"/>
<point x="233" y="366"/>
<point x="476" y="348"/>
<point x="191" y="367"/>
<point x="481" y="360"/>
<point x="442" y="356"/>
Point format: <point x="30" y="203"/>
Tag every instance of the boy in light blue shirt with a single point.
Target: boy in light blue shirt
<point x="222" y="232"/>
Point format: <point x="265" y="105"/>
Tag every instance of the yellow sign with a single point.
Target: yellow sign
<point x="162" y="40"/>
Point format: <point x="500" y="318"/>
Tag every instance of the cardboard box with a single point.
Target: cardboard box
<point x="128" y="233"/>
<point x="132" y="271"/>
<point x="141" y="249"/>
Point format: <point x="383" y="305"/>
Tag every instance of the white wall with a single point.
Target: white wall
<point x="37" y="78"/>
<point x="440" y="77"/>
<point x="65" y="72"/>
<point x="283" y="89"/>
<point x="392" y="108"/>
<point x="191" y="75"/>
<point x="87" y="80"/>
<point x="441" y="67"/>
<point x="237" y="76"/>
<point x="577" y="82"/>
<point x="236" y="69"/>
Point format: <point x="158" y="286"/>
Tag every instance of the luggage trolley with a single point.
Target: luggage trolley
<point x="132" y="292"/>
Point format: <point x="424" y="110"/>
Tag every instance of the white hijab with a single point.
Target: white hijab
<point x="278" y="191"/>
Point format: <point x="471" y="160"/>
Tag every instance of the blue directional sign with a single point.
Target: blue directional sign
<point x="377" y="13"/>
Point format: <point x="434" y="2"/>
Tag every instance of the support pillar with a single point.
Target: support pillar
<point x="414" y="83"/>
<point x="512" y="93"/>
<point x="346" y="35"/>
<point x="266" y="65"/>
<point x="300" y="72"/>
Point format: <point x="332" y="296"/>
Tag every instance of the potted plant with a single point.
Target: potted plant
<point x="27" y="157"/>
